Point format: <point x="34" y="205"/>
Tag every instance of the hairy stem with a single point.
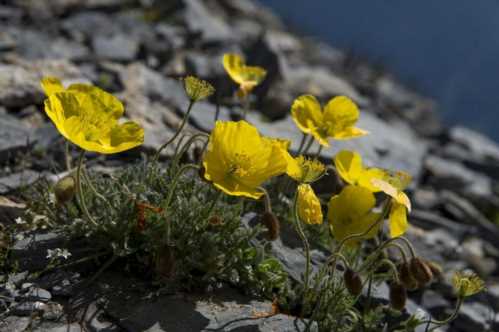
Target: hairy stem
<point x="179" y="130"/>
<point x="80" y="190"/>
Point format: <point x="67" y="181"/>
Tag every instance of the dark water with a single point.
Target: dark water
<point x="446" y="49"/>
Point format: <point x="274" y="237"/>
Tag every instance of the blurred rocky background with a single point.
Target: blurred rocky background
<point x="138" y="50"/>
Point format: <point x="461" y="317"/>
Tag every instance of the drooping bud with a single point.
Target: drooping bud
<point x="406" y="277"/>
<point x="398" y="296"/>
<point x="420" y="270"/>
<point x="435" y="269"/>
<point x="165" y="262"/>
<point x="353" y="282"/>
<point x="65" y="189"/>
<point x="272" y="224"/>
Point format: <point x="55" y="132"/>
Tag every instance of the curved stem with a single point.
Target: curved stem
<point x="339" y="248"/>
<point x="187" y="145"/>
<point x="302" y="143"/>
<point x="96" y="193"/>
<point x="408" y="244"/>
<point x="266" y="199"/>
<point x="309" y="144"/>
<point x="179" y="130"/>
<point x="392" y="267"/>
<point x="67" y="156"/>
<point x="171" y="192"/>
<point x="319" y="150"/>
<point x="80" y="190"/>
<point x="439" y="323"/>
<point x="304" y="240"/>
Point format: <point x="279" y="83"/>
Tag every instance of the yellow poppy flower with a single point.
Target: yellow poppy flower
<point x="309" y="206"/>
<point x="350" y="212"/>
<point x="467" y="284"/>
<point x="248" y="77"/>
<point x="88" y="117"/>
<point x="238" y="160"/>
<point x="351" y="169"/>
<point x="393" y="186"/>
<point x="336" y="120"/>
<point x="305" y="170"/>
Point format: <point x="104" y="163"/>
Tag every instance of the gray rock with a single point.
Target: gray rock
<point x="14" y="324"/>
<point x="14" y="135"/>
<point x="38" y="294"/>
<point x="453" y="175"/>
<point x="434" y="301"/>
<point x="119" y="47"/>
<point x="18" y="180"/>
<point x="20" y="82"/>
<point x="58" y="327"/>
<point x="28" y="308"/>
<point x="473" y="316"/>
<point x="141" y="80"/>
<point x="89" y="23"/>
<point x="226" y="310"/>
<point x="31" y="252"/>
<point x="200" y="19"/>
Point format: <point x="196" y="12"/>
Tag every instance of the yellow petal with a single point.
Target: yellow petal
<point x="238" y="160"/>
<point x="348" y="165"/>
<point x="348" y="133"/>
<point x="51" y="85"/>
<point x="309" y="206"/>
<point x="398" y="220"/>
<point x="307" y="114"/>
<point x="246" y="76"/>
<point x="100" y="99"/>
<point x="367" y="175"/>
<point x="340" y="113"/>
<point x="350" y="213"/>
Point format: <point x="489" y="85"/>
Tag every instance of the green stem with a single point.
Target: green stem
<point x="187" y="145"/>
<point x="172" y="192"/>
<point x="67" y="156"/>
<point x="80" y="190"/>
<point x="309" y="144"/>
<point x="302" y="143"/>
<point x="266" y="199"/>
<point x="179" y="130"/>
<point x="304" y="240"/>
<point x="96" y="193"/>
<point x="246" y="106"/>
<point x="439" y="323"/>
<point x="318" y="153"/>
<point x="339" y="248"/>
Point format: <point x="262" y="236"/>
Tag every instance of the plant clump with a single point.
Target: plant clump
<point x="181" y="223"/>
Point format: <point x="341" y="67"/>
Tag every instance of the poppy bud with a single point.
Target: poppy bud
<point x="197" y="153"/>
<point x="398" y="296"/>
<point x="420" y="270"/>
<point x="165" y="262"/>
<point x="353" y="282"/>
<point x="406" y="277"/>
<point x="273" y="226"/>
<point x="215" y="220"/>
<point x="65" y="189"/>
<point x="435" y="269"/>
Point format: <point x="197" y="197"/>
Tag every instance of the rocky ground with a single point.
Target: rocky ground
<point x="123" y="47"/>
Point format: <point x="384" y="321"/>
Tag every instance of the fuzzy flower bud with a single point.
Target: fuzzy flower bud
<point x="353" y="282"/>
<point x="65" y="189"/>
<point x="398" y="296"/>
<point x="272" y="224"/>
<point x="420" y="270"/>
<point x="406" y="277"/>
